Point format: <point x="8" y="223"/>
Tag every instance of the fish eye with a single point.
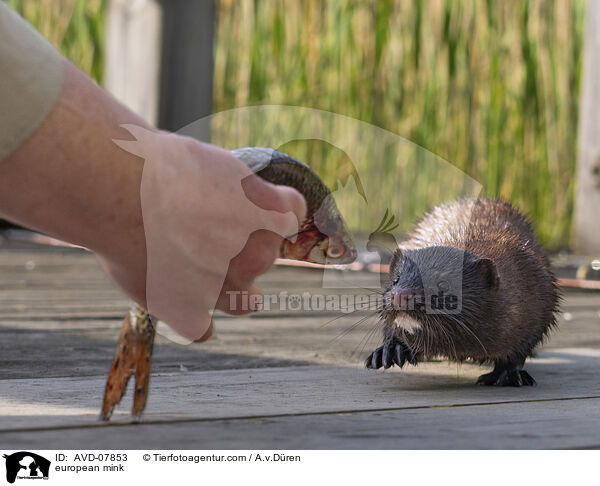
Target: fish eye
<point x="335" y="251"/>
<point x="443" y="286"/>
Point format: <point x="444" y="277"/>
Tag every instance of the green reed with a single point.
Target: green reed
<point x="490" y="86"/>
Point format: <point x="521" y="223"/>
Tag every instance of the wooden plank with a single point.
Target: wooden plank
<point x="238" y="342"/>
<point x="52" y="402"/>
<point x="535" y="425"/>
<point x="54" y="351"/>
<point x="256" y="340"/>
<point x="587" y="201"/>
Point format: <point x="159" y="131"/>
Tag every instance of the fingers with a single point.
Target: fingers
<point x="238" y="302"/>
<point x="255" y="297"/>
<point x="262" y="247"/>
<point x="272" y="197"/>
<point x="256" y="258"/>
<point x="208" y="334"/>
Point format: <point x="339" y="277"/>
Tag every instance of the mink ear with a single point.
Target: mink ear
<point x="395" y="258"/>
<point x="487" y="269"/>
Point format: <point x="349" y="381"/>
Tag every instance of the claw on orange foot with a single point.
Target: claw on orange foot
<point x="133" y="357"/>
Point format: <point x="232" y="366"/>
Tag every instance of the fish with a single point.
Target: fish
<point x="323" y="238"/>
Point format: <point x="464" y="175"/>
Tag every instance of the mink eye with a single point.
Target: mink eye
<point x="396" y="281"/>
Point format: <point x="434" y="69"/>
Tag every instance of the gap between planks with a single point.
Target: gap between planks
<point x="284" y="415"/>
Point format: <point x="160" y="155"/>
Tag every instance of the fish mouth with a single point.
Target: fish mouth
<point x="303" y="247"/>
<point x="315" y="247"/>
<point x="316" y="255"/>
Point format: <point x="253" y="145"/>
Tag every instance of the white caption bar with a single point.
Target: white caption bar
<point x="129" y="467"/>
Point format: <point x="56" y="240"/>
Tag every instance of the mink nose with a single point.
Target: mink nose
<point x="403" y="297"/>
<point x="404" y="293"/>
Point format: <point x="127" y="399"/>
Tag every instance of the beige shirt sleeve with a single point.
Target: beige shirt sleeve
<point x="31" y="73"/>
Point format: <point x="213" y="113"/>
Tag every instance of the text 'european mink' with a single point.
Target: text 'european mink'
<point x="471" y="282"/>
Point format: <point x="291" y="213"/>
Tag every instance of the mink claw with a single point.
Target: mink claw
<point x="507" y="377"/>
<point x="388" y="356"/>
<point x="390" y="353"/>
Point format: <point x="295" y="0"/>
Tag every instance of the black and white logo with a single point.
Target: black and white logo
<point x="26" y="465"/>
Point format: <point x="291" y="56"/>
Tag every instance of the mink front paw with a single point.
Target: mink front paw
<point x="507" y="377"/>
<point x="391" y="352"/>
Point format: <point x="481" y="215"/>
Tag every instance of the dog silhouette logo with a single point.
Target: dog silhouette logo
<point x="26" y="465"/>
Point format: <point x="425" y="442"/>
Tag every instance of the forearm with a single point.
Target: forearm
<point x="69" y="180"/>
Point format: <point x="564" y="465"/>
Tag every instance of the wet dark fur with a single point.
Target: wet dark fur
<point x="485" y="252"/>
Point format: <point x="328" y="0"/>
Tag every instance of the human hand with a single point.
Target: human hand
<point x="211" y="227"/>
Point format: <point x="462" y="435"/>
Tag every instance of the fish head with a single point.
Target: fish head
<point x="323" y="239"/>
<point x="338" y="247"/>
<point x="311" y="245"/>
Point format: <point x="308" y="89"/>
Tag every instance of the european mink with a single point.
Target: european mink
<point x="471" y="282"/>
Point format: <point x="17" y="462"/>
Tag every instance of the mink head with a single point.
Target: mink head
<point x="440" y="284"/>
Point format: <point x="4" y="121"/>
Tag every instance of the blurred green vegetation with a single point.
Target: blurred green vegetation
<point x="492" y="87"/>
<point x="74" y="27"/>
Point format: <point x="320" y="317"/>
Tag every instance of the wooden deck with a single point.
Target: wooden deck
<point x="277" y="379"/>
